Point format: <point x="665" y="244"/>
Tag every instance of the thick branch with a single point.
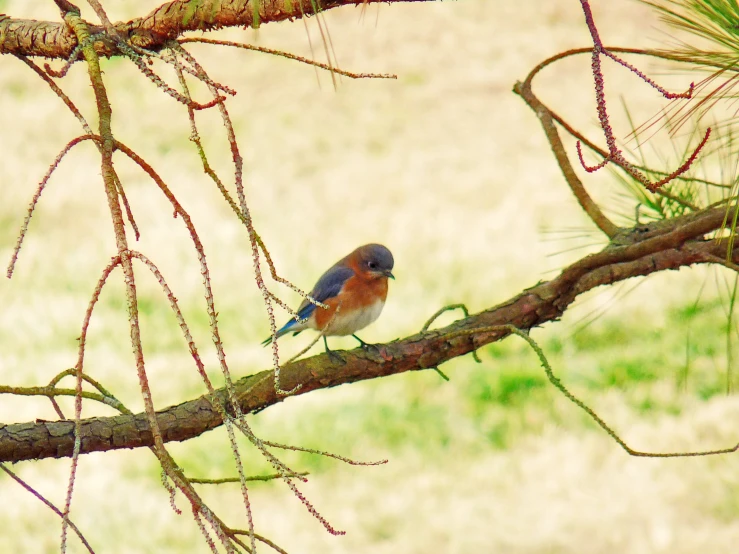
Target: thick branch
<point x="167" y="22"/>
<point x="641" y="251"/>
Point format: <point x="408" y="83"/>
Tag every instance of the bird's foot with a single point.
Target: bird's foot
<point x="366" y="346"/>
<point x="335" y="357"/>
<point x="373" y="349"/>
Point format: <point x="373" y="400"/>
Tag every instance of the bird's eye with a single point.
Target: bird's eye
<point x="372" y="265"/>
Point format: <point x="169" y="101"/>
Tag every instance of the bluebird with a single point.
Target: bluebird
<point x="358" y="284"/>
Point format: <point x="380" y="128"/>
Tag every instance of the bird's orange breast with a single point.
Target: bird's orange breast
<point x="358" y="295"/>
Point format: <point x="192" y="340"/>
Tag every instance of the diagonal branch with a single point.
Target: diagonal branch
<point x="660" y="246"/>
<point x="51" y="506"/>
<point x="578" y="188"/>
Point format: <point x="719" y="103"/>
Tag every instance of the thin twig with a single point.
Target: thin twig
<point x="37" y="195"/>
<point x="439" y="313"/>
<point x="505" y="329"/>
<point x="51" y="506"/>
<point x="614" y="153"/>
<point x="289" y="56"/>
<point x="270" y="477"/>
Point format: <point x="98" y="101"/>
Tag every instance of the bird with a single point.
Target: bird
<point x="357" y="284"/>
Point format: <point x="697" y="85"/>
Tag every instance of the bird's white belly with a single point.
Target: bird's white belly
<point x="348" y="323"/>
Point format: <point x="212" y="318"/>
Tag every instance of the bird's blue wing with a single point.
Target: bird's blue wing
<point x="328" y="286"/>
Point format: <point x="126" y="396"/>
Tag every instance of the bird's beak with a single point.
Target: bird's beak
<point x="389" y="273"/>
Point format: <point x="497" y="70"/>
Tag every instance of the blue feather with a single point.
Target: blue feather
<point x="327" y="287"/>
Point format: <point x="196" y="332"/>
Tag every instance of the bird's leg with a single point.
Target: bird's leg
<point x="365" y="346"/>
<point x="335" y="356"/>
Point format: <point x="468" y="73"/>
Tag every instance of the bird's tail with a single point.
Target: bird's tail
<point x="285" y="329"/>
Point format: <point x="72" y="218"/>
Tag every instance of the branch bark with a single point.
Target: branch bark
<point x="167" y="22"/>
<point x="640" y="251"/>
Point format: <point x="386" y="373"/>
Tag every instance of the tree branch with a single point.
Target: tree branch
<point x="550" y="130"/>
<point x="167" y="22"/>
<point x="639" y="251"/>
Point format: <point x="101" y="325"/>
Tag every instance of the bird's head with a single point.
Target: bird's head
<point x="375" y="261"/>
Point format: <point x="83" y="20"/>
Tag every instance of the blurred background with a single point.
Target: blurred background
<point x="450" y="170"/>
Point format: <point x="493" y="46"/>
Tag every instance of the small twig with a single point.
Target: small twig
<point x="108" y="397"/>
<point x="58" y="91"/>
<point x="442" y="374"/>
<point x="276" y="277"/>
<point x="169" y="56"/>
<point x="73" y="57"/>
<point x="88" y="130"/>
<point x="614" y="153"/>
<point x="721" y="261"/>
<point x="126" y="207"/>
<point x="322" y="453"/>
<point x="270" y="477"/>
<point x="591" y="168"/>
<point x="40" y="189"/>
<point x="579" y="136"/>
<point x="435" y="316"/>
<point x="579" y="403"/>
<point x="664" y="92"/>
<point x="289" y="56"/>
<point x="321" y="334"/>
<point x="259" y="537"/>
<point x="284" y="471"/>
<point x="51" y="392"/>
<point x="198" y="516"/>
<point x="172" y="490"/>
<point x="51" y="506"/>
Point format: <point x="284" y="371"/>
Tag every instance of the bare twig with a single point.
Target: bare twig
<point x="592" y="209"/>
<point x="289" y="56"/>
<point x="614" y="153"/>
<point x="270" y="477"/>
<point x="39" y="190"/>
<point x="51" y="506"/>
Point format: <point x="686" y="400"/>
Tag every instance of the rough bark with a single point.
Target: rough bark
<point x="167" y="22"/>
<point x="635" y="252"/>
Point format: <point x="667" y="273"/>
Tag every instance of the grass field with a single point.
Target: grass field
<point x="448" y="168"/>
